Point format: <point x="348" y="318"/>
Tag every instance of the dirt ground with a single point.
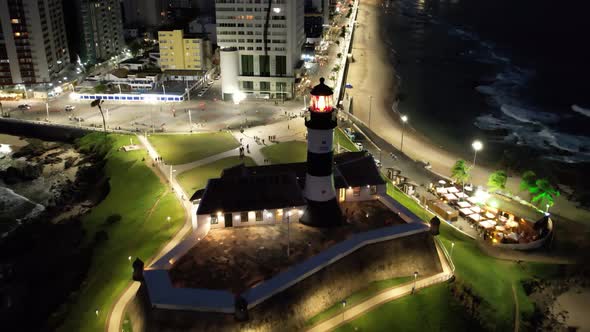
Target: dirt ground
<point x="239" y="258"/>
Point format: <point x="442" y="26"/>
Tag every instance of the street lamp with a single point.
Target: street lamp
<point x="171" y="171"/>
<point x="343" y="306"/>
<point x="452" y="247"/>
<point x="288" y="233"/>
<point x="404" y="120"/>
<point x="370" y="109"/>
<point x="414" y="286"/>
<point x="477" y="146"/>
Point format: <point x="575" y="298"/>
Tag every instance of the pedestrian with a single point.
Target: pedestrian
<point x="288" y="127"/>
<point x="263" y="141"/>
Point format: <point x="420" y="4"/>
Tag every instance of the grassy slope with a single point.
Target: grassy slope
<point x="196" y="178"/>
<point x="431" y="309"/>
<point x="345" y="142"/>
<point x="490" y="278"/>
<point x="358" y="297"/>
<point x="286" y="152"/>
<point x="182" y="149"/>
<point x="136" y="194"/>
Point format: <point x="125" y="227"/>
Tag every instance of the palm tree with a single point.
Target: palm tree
<point x="460" y="172"/>
<point x="543" y="193"/>
<point x="497" y="180"/>
<point x="528" y="181"/>
<point x="98" y="102"/>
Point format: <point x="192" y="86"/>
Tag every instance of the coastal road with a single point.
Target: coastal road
<point x="372" y="74"/>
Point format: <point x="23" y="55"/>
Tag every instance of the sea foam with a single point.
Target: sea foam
<point x="581" y="110"/>
<point x="528" y="116"/>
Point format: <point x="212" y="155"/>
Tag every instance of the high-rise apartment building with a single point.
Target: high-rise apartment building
<point x="179" y="51"/>
<point x="146" y="14"/>
<point x="33" y="42"/>
<point x="260" y="44"/>
<point x="102" y="29"/>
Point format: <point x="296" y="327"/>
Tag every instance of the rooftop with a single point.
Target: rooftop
<point x="242" y="188"/>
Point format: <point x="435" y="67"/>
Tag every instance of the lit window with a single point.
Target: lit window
<point x="17" y="34"/>
<point x="15" y="21"/>
<point x="258" y="215"/>
<point x="356" y="191"/>
<point x="214" y="218"/>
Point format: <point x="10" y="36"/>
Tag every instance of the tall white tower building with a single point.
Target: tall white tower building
<point x="263" y="39"/>
<point x="33" y="43"/>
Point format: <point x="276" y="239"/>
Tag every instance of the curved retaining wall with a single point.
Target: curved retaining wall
<point x="531" y="245"/>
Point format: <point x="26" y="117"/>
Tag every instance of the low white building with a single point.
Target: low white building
<point x="136" y="80"/>
<point x="262" y="195"/>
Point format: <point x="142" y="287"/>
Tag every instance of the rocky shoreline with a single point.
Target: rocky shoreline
<point x="39" y="178"/>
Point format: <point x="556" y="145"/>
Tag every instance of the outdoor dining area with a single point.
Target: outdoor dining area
<point x="490" y="222"/>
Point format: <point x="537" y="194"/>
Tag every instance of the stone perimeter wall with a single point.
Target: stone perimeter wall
<point x="290" y="309"/>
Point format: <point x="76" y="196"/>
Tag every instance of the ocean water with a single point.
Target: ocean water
<point x="512" y="73"/>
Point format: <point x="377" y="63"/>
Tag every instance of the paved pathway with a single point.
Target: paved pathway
<point x="116" y="315"/>
<point x="391" y="294"/>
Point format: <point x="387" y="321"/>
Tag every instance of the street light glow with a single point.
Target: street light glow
<point x="404" y="118"/>
<point x="276" y="10"/>
<point x="477" y="145"/>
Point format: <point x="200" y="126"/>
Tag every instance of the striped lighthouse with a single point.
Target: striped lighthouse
<point x="321" y="119"/>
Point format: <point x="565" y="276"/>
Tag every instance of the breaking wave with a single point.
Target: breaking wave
<point x="581" y="110"/>
<point x="528" y="116"/>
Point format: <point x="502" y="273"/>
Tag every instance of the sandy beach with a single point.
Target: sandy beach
<point x="372" y="74"/>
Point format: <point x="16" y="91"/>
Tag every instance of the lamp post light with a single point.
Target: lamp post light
<point x="452" y="247"/>
<point x="171" y="171"/>
<point x="343" y="306"/>
<point x="477" y="146"/>
<point x="288" y="233"/>
<point x="404" y="120"/>
<point x="370" y="109"/>
<point x="190" y="121"/>
<point x="414" y="286"/>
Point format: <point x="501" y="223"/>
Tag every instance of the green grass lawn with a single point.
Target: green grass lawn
<point x="345" y="142"/>
<point x="431" y="309"/>
<point x="489" y="278"/>
<point x="126" y="326"/>
<point x="185" y="148"/>
<point x="196" y="178"/>
<point x="143" y="202"/>
<point x="358" y="297"/>
<point x="286" y="152"/>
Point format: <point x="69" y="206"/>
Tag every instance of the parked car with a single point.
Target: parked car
<point x="426" y="164"/>
<point x="24" y="107"/>
<point x="70" y="108"/>
<point x="378" y="163"/>
<point x="349" y="132"/>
